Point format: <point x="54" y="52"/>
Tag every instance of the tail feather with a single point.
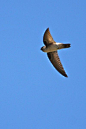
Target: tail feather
<point x="66" y="45"/>
<point x="61" y="45"/>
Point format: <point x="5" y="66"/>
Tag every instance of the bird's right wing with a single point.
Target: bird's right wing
<point x="47" y="38"/>
<point x="54" y="58"/>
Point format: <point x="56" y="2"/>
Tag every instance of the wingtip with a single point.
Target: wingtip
<point x="66" y="76"/>
<point x="48" y="28"/>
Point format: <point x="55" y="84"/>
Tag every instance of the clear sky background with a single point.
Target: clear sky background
<point x="33" y="95"/>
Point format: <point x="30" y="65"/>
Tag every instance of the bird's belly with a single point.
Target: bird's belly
<point x="51" y="48"/>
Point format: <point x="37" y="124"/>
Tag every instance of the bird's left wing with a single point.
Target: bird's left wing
<point x="54" y="58"/>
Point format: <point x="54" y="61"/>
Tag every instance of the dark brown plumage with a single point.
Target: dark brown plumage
<point x="47" y="38"/>
<point x="53" y="56"/>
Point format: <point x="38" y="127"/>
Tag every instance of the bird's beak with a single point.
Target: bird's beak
<point x="41" y="48"/>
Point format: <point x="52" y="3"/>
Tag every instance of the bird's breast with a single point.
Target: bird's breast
<point x="51" y="48"/>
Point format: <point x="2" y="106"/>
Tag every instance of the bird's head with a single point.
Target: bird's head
<point x="43" y="48"/>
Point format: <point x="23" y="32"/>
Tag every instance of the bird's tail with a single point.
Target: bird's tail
<point x="61" y="45"/>
<point x="66" y="45"/>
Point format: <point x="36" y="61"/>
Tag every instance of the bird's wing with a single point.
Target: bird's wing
<point x="54" y="58"/>
<point x="47" y="38"/>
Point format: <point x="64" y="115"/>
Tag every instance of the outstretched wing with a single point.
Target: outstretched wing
<point x="47" y="38"/>
<point x="54" y="58"/>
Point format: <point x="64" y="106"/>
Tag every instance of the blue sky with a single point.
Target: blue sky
<point x="33" y="95"/>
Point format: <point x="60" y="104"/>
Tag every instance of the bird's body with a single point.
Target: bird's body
<point x="54" y="47"/>
<point x="51" y="48"/>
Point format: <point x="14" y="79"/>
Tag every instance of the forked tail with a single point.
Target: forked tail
<point x="61" y="45"/>
<point x="66" y="45"/>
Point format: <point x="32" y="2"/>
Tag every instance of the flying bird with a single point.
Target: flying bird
<point x="51" y="48"/>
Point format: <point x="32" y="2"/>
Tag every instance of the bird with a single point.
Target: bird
<point x="51" y="47"/>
